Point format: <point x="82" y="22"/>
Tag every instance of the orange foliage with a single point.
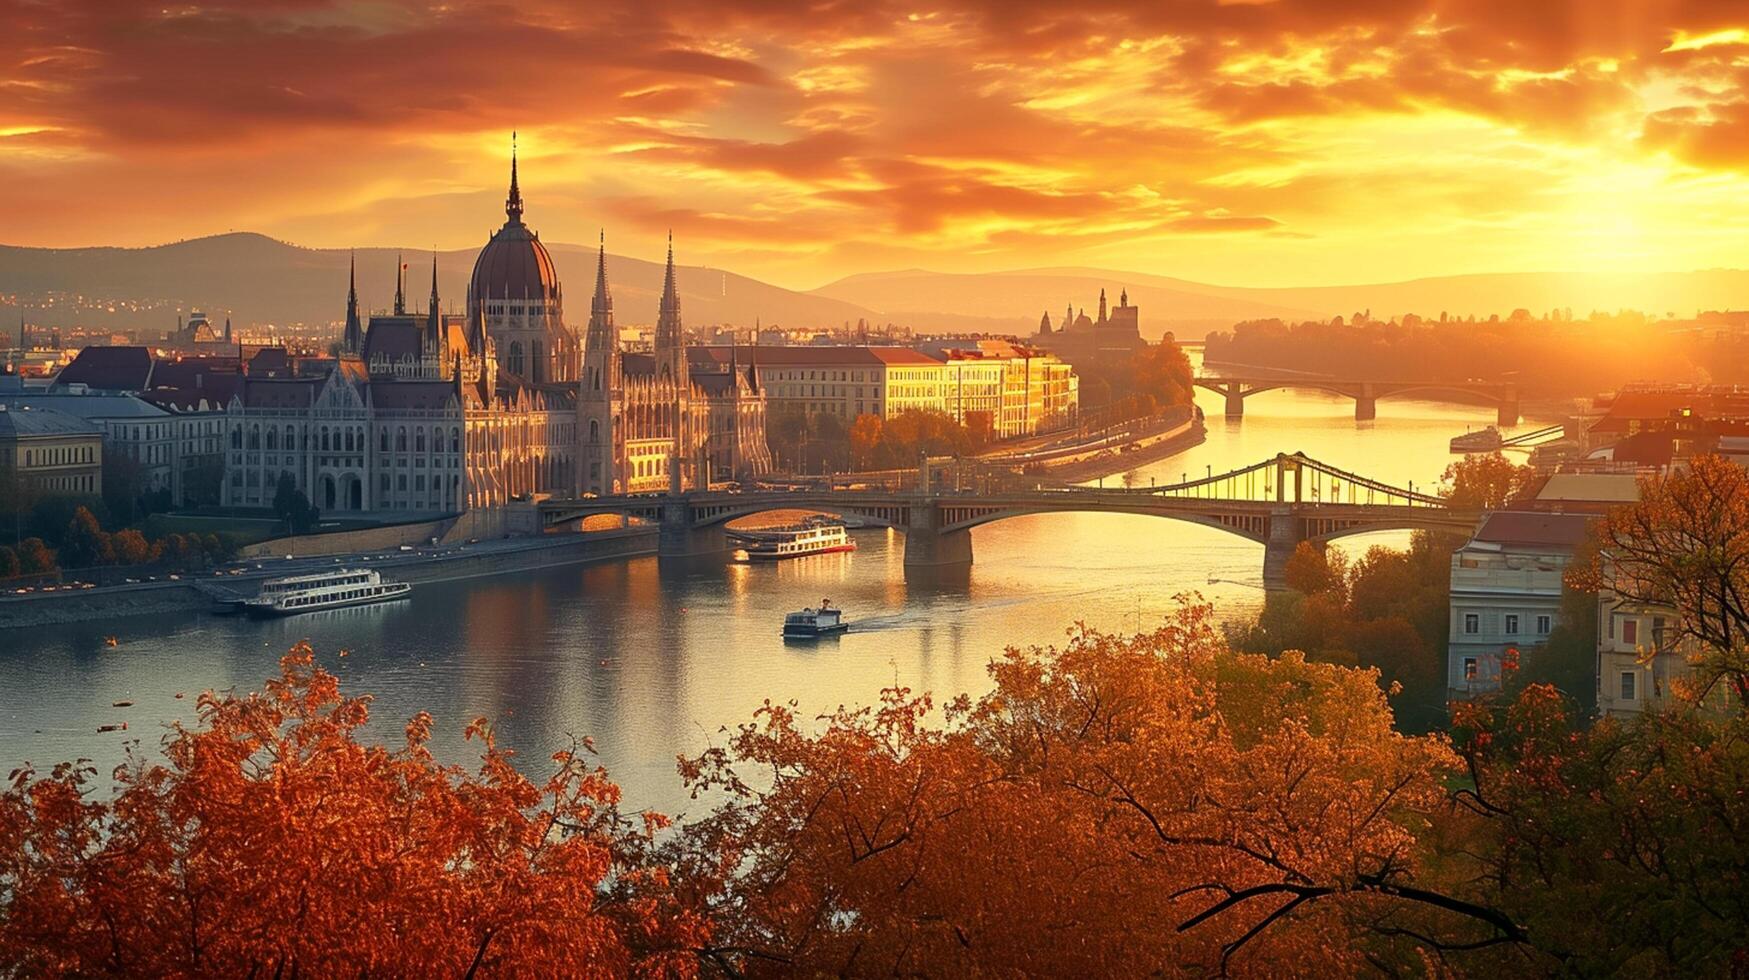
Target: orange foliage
<point x="1115" y="807"/>
<point x="272" y="842"/>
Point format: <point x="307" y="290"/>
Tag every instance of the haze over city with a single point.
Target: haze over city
<point x="1254" y="144"/>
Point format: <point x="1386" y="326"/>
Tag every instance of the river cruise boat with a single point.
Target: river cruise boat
<point x="811" y="622"/>
<point x="1479" y="441"/>
<point x="323" y="590"/>
<point x="812" y="538"/>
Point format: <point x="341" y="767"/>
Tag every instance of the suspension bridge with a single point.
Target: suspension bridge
<point x="1278" y="503"/>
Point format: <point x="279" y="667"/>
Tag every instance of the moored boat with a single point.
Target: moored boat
<point x="814" y="622"/>
<point x="323" y="590"/>
<point x="815" y="537"/>
<point x="1479" y="441"/>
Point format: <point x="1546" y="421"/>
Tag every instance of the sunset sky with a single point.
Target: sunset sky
<point x="1249" y="143"/>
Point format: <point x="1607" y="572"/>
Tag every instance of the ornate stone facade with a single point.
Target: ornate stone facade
<point x="649" y="422"/>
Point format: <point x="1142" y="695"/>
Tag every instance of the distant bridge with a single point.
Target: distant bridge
<point x="1237" y="388"/>
<point x="1277" y="503"/>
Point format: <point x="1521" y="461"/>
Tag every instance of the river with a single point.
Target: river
<point x="653" y="663"/>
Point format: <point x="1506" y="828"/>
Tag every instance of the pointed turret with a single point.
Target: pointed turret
<point x="352" y="340"/>
<point x="513" y="203"/>
<point x="1044" y="323"/>
<point x="1101" y="306"/>
<point x="670" y="338"/>
<point x="1123" y="298"/>
<point x="602" y="301"/>
<point x="400" y="286"/>
<point x="227" y="329"/>
<point x="434" y="318"/>
<point x="600" y="339"/>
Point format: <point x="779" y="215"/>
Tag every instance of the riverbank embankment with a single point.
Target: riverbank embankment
<point x="192" y="592"/>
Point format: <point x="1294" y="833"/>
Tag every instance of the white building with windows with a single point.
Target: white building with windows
<point x="1506" y="586"/>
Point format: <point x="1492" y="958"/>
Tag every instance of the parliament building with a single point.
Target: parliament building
<point x="440" y="413"/>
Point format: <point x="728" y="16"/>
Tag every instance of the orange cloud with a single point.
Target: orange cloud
<point x="1351" y="138"/>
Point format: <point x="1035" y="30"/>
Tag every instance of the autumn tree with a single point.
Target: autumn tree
<point x="865" y="441"/>
<point x="1114" y="807"/>
<point x="85" y="542"/>
<point x="1486" y="481"/>
<point x="1617" y="847"/>
<point x="272" y="841"/>
<point x="36" y="557"/>
<point x="1685" y="544"/>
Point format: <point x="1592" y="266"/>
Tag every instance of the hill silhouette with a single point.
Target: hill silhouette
<point x="261" y="280"/>
<point x="257" y="279"/>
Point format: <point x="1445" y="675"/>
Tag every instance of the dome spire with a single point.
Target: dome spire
<point x="400" y="285"/>
<point x="513" y="203"/>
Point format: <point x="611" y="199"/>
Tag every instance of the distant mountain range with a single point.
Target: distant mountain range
<point x="257" y="279"/>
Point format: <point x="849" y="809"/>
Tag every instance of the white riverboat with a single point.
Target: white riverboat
<point x="812" y="538"/>
<point x="323" y="590"/>
<point x="811" y="622"/>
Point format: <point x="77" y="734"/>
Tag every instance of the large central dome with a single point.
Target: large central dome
<point x="514" y="264"/>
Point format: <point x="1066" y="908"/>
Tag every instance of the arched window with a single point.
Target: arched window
<point x="237" y="438"/>
<point x="255" y="436"/>
<point x="455" y="439"/>
<point x="594" y="430"/>
<point x="385" y="440"/>
<point x="419" y="440"/>
<point x="291" y="438"/>
<point x="536" y="365"/>
<point x="513" y="361"/>
<point x="325" y="438"/>
<point x="401" y="439"/>
<point x="272" y="439"/>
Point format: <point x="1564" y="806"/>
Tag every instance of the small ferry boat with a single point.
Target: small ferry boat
<point x="1480" y="441"/>
<point x="810" y="623"/>
<point x="813" y="538"/>
<point x="323" y="590"/>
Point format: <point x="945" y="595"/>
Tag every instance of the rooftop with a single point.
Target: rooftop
<point x="1510" y="527"/>
<point x="25" y="422"/>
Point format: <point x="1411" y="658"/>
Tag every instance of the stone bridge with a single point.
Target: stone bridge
<point x="1277" y="503"/>
<point x="1237" y="388"/>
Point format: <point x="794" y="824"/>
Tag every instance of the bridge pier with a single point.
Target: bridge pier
<point x="678" y="540"/>
<point x="1285" y="534"/>
<point x="1366" y="408"/>
<point x="1508" y="414"/>
<point x="1235" y="401"/>
<point x="928" y="546"/>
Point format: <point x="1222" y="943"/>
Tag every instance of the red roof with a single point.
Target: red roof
<point x="822" y="356"/>
<point x="1514" y="527"/>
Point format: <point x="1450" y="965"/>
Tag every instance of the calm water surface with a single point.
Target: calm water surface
<point x="653" y="663"/>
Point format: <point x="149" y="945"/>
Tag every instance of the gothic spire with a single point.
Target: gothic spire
<point x="670" y="295"/>
<point x="400" y="286"/>
<point x="670" y="339"/>
<point x="603" y="302"/>
<point x="353" y="339"/>
<point x="513" y="203"/>
<point x="434" y="319"/>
